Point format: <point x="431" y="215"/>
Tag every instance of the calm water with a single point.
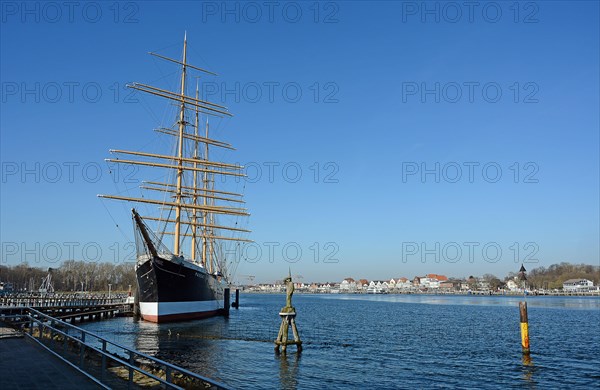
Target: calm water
<point x="384" y="341"/>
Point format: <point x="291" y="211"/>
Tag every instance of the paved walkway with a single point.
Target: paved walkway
<point x="26" y="365"/>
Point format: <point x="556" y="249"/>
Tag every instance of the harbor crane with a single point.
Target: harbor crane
<point x="47" y="287"/>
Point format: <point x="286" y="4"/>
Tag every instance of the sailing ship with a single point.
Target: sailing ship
<point x="174" y="286"/>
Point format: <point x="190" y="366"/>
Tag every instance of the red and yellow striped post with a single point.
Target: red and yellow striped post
<point x="524" y="328"/>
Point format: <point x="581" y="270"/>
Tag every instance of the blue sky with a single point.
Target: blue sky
<point x="361" y="97"/>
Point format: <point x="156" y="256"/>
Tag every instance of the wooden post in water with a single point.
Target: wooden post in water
<point x="227" y="298"/>
<point x="287" y="319"/>
<point x="236" y="304"/>
<point x="524" y="328"/>
<point x="523" y="315"/>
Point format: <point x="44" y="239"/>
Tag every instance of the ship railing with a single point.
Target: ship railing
<point x="107" y="363"/>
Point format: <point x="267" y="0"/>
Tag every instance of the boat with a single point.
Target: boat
<point x="173" y="285"/>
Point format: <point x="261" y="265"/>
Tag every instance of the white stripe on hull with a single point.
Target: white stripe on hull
<point x="169" y="308"/>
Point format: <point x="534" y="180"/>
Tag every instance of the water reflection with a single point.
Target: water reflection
<point x="528" y="369"/>
<point x="288" y="370"/>
<point x="147" y="338"/>
<point x="168" y="341"/>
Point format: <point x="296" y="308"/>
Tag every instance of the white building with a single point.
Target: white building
<point x="429" y="283"/>
<point x="376" y="287"/>
<point x="348" y="285"/>
<point x="578" y="285"/>
<point x="403" y="284"/>
<point x="513" y="285"/>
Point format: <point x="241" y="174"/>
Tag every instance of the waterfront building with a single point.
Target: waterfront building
<point x="377" y="287"/>
<point x="348" y="285"/>
<point x="429" y="283"/>
<point x="446" y="285"/>
<point x="440" y="278"/>
<point x="416" y="281"/>
<point x="578" y="285"/>
<point x="392" y="284"/>
<point x="403" y="284"/>
<point x="362" y="285"/>
<point x="512" y="285"/>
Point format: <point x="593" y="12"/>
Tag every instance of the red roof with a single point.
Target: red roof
<point x="441" y="278"/>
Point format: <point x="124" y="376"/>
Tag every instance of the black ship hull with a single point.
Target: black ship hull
<point x="177" y="290"/>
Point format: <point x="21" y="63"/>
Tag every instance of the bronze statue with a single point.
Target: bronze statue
<point x="289" y="289"/>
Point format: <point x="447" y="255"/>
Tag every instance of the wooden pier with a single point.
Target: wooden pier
<point x="71" y="308"/>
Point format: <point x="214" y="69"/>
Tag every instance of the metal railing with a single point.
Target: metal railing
<point x="62" y="338"/>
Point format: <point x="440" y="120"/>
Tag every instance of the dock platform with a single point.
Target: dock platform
<point x="26" y="365"/>
<point x="64" y="347"/>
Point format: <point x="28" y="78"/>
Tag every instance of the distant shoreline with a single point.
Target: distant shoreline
<point x="461" y="293"/>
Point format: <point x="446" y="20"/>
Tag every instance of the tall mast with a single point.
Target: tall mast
<point x="180" y="152"/>
<point x="201" y="221"/>
<point x="211" y="220"/>
<point x="204" y="214"/>
<point x="195" y="182"/>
